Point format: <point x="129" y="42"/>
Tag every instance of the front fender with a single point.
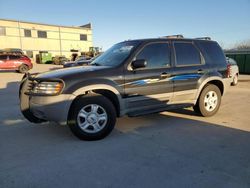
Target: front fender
<point x="81" y="90"/>
<point x="84" y="89"/>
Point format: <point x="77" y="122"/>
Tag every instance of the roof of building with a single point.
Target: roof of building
<point x="237" y="51"/>
<point x="86" y="26"/>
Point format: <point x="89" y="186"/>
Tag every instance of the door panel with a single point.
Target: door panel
<point x="147" y="82"/>
<point x="3" y="59"/>
<point x="150" y="87"/>
<point x="189" y="68"/>
<point x="13" y="61"/>
<point x="186" y="82"/>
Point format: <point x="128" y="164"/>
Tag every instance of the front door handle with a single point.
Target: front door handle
<point x="165" y="75"/>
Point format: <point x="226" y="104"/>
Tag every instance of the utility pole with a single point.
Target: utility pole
<point x="60" y="40"/>
<point x="20" y="37"/>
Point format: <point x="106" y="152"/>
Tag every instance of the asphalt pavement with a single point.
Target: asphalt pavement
<point x="170" y="149"/>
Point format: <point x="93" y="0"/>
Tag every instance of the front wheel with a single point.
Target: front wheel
<point x="209" y="101"/>
<point x="92" y="117"/>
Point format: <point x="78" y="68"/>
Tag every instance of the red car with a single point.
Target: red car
<point x="20" y="63"/>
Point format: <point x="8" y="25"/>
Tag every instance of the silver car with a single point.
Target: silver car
<point x="234" y="71"/>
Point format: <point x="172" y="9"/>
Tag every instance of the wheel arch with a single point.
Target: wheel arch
<point x="23" y="63"/>
<point x="111" y="96"/>
<point x="218" y="81"/>
<point x="106" y="90"/>
<point x="219" y="84"/>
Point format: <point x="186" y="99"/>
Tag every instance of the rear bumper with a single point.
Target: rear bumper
<point x="227" y="83"/>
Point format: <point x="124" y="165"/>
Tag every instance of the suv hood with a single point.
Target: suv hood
<point x="69" y="71"/>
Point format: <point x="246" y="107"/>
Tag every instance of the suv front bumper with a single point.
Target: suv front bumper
<point x="38" y="109"/>
<point x="51" y="108"/>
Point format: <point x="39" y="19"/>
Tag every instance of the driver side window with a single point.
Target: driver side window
<point x="157" y="55"/>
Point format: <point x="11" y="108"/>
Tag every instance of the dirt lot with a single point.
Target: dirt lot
<point x="171" y="149"/>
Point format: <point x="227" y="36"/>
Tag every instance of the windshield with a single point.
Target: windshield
<point x="116" y="54"/>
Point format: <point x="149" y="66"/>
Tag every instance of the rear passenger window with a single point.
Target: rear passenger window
<point x="186" y="54"/>
<point x="157" y="55"/>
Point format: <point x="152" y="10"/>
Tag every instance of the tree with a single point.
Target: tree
<point x="243" y="45"/>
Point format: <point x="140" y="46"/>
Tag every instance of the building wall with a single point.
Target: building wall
<point x="60" y="39"/>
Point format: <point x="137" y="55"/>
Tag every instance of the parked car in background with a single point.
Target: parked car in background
<point x="83" y="57"/>
<point x="233" y="70"/>
<point x="14" y="51"/>
<point x="59" y="60"/>
<point x="19" y="63"/>
<point x="79" y="62"/>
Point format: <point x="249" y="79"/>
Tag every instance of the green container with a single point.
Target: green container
<point x="231" y="56"/>
<point x="45" y="58"/>
<point x="247" y="63"/>
<point x="240" y="59"/>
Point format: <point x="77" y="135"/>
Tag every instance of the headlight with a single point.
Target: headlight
<point x="48" y="88"/>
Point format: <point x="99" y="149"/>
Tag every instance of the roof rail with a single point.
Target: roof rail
<point x="203" y="38"/>
<point x="174" y="37"/>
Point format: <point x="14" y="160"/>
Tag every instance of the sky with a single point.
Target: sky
<point x="227" y="22"/>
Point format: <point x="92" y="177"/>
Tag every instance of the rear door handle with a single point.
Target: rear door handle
<point x="165" y="75"/>
<point x="200" y="71"/>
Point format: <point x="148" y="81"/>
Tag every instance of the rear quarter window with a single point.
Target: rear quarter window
<point x="212" y="52"/>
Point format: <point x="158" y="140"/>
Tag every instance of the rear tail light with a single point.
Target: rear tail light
<point x="228" y="70"/>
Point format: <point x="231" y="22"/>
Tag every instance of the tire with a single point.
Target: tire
<point x="97" y="115"/>
<point x="23" y="68"/>
<point x="235" y="80"/>
<point x="209" y="101"/>
<point x="197" y="109"/>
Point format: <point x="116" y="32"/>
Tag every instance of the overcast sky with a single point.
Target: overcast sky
<point x="113" y="21"/>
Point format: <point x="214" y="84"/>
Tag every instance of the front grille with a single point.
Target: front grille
<point x="30" y="86"/>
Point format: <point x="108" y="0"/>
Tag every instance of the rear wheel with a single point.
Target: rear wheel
<point x="209" y="101"/>
<point x="92" y="117"/>
<point x="23" y="68"/>
<point x="197" y="109"/>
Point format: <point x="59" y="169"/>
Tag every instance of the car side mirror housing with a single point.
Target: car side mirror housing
<point x="139" y="63"/>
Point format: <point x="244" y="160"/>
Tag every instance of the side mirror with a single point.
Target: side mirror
<point x="140" y="63"/>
